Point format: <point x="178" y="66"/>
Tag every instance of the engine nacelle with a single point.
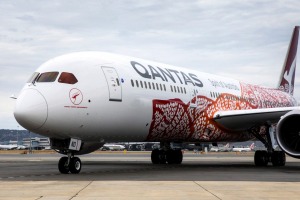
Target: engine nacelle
<point x="288" y="133"/>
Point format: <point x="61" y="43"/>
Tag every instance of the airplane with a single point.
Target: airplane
<point x="114" y="147"/>
<point x="214" y="149"/>
<point x="21" y="147"/>
<point x="243" y="149"/>
<point x="224" y="148"/>
<point x="11" y="147"/>
<point x="8" y="146"/>
<point x="83" y="100"/>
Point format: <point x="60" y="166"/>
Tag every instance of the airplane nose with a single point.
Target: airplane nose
<point x="31" y="109"/>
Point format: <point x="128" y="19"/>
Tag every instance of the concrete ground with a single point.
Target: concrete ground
<point x="132" y="176"/>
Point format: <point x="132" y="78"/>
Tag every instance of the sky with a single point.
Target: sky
<point x="246" y="40"/>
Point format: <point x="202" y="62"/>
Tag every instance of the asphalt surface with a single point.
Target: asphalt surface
<point x="132" y="176"/>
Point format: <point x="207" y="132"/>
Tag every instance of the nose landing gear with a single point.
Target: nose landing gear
<point x="69" y="164"/>
<point x="68" y="147"/>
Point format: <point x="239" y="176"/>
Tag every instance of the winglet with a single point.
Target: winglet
<point x="287" y="77"/>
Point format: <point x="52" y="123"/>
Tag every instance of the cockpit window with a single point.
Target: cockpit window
<point x="67" y="78"/>
<point x="33" y="77"/>
<point x="47" y="77"/>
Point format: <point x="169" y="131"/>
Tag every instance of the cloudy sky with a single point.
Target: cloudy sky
<point x="246" y="40"/>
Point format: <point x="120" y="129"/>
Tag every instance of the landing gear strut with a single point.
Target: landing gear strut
<point x="262" y="158"/>
<point x="166" y="155"/>
<point x="69" y="147"/>
<point x="69" y="164"/>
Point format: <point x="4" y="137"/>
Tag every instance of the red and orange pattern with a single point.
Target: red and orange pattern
<point x="174" y="120"/>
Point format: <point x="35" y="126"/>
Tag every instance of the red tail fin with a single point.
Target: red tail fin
<point x="287" y="77"/>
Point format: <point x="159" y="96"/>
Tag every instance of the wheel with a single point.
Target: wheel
<point x="162" y="157"/>
<point x="75" y="165"/>
<point x="170" y="156"/>
<point x="62" y="165"/>
<point x="155" y="156"/>
<point x="278" y="158"/>
<point x="261" y="158"/>
<point x="178" y="156"/>
<point x="174" y="156"/>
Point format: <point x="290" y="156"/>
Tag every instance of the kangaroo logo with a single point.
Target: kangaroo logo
<point x="76" y="96"/>
<point x="289" y="76"/>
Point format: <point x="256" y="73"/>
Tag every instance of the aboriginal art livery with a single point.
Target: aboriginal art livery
<point x="83" y="100"/>
<point x="193" y="121"/>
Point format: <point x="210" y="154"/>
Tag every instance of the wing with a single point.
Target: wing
<point x="239" y="120"/>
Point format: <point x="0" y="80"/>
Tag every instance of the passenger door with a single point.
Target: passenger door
<point x="193" y="97"/>
<point x="113" y="83"/>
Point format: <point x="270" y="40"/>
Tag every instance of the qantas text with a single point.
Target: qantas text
<point x="151" y="72"/>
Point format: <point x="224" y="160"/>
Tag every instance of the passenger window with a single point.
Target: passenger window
<point x="137" y="83"/>
<point x="171" y="88"/>
<point x="47" y="77"/>
<point x="157" y="86"/>
<point x="33" y="77"/>
<point x="160" y="87"/>
<point x="141" y="83"/>
<point x="165" y="87"/>
<point x="145" y="84"/>
<point x="153" y="86"/>
<point x="132" y="83"/>
<point x="149" y="84"/>
<point x="175" y="88"/>
<point x="67" y="78"/>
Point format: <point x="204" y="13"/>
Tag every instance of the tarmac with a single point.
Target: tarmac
<point x="118" y="175"/>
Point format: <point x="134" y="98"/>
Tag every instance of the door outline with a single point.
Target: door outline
<point x="113" y="83"/>
<point x="193" y="97"/>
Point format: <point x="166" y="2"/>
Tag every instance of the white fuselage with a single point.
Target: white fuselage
<point x="112" y="101"/>
<point x="11" y="146"/>
<point x="241" y="149"/>
<point x="114" y="147"/>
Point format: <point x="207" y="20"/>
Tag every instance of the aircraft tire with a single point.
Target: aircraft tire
<point x="162" y="157"/>
<point x="174" y="156"/>
<point x="75" y="165"/>
<point x="178" y="156"/>
<point x="278" y="158"/>
<point x="61" y="165"/>
<point x="155" y="156"/>
<point x="170" y="155"/>
<point x="261" y="158"/>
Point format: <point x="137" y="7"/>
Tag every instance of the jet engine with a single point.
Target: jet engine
<point x="288" y="133"/>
